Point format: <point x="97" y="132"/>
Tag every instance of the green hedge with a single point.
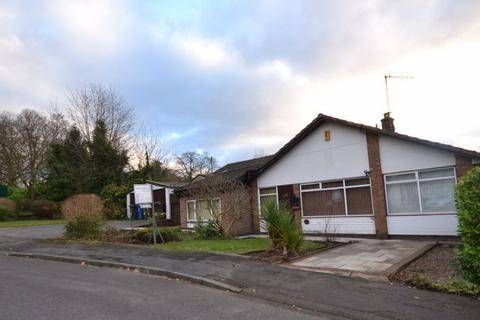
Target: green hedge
<point x="468" y="207"/>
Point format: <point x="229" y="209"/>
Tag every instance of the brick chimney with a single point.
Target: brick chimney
<point x="387" y="123"/>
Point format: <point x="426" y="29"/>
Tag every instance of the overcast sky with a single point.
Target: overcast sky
<point x="237" y="78"/>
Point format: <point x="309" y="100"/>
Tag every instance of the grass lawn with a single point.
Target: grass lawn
<point x="235" y="246"/>
<point x="29" y="223"/>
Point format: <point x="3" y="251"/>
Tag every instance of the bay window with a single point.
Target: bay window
<point x="423" y="191"/>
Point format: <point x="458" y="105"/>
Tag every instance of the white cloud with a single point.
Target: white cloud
<point x="93" y="27"/>
<point x="202" y="51"/>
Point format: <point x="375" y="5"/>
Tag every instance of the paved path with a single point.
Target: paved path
<point x="365" y="256"/>
<point x="317" y="292"/>
<point x="35" y="289"/>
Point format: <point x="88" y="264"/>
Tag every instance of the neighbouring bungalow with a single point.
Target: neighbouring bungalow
<point x="347" y="178"/>
<point x="166" y="203"/>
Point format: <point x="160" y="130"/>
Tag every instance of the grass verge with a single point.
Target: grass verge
<point x="29" y="223"/>
<point x="234" y="246"/>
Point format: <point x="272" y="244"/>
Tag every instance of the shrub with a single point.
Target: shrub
<point x="83" y="213"/>
<point x="114" y="197"/>
<point x="283" y="230"/>
<point x="209" y="230"/>
<point x="44" y="209"/>
<point x="10" y="206"/>
<point x="16" y="194"/>
<point x="5" y="213"/>
<point x="168" y="233"/>
<point x="84" y="227"/>
<point x="468" y="207"/>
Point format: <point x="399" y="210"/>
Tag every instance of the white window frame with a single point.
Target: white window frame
<point x="266" y="195"/>
<point x="344" y="187"/>
<point x="417" y="180"/>
<point x="195" y="207"/>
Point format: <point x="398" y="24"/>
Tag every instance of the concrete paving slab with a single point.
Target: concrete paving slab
<point x="371" y="257"/>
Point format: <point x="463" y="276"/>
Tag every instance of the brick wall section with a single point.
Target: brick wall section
<point x="463" y="164"/>
<point x="254" y="206"/>
<point x="183" y="211"/>
<point x="378" y="188"/>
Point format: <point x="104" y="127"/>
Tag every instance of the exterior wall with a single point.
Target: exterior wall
<point x="435" y="225"/>
<point x="340" y="225"/>
<point x="315" y="159"/>
<point x="399" y="155"/>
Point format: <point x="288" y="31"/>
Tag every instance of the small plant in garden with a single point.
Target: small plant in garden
<point x="168" y="233"/>
<point x="83" y="213"/>
<point x="8" y="209"/>
<point x="468" y="207"/>
<point x="209" y="230"/>
<point x="283" y="230"/>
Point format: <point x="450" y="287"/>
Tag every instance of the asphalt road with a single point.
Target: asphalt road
<point x="37" y="289"/>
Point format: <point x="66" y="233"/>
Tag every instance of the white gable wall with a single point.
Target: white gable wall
<point x="315" y="159"/>
<point x="399" y="155"/>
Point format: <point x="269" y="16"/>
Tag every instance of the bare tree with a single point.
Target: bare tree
<point x="234" y="196"/>
<point x="148" y="148"/>
<point x="33" y="133"/>
<point x="94" y="102"/>
<point x="192" y="164"/>
<point x="10" y="155"/>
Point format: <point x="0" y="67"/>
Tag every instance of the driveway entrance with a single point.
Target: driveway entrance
<point x="368" y="258"/>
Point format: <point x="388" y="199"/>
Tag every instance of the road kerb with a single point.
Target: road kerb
<point x="131" y="267"/>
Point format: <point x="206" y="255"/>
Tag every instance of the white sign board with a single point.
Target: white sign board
<point x="143" y="194"/>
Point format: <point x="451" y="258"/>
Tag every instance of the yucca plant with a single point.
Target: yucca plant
<point x="284" y="232"/>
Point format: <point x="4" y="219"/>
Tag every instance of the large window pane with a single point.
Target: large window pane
<point x="190" y="210"/>
<point x="266" y="199"/>
<point x="323" y="203"/>
<point x="205" y="208"/>
<point x="359" y="201"/>
<point x="438" y="195"/>
<point x="403" y="198"/>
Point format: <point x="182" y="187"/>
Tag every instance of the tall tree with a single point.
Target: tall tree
<point x="67" y="167"/>
<point x="10" y="156"/>
<point x="192" y="164"/>
<point x="107" y="161"/>
<point x="92" y="103"/>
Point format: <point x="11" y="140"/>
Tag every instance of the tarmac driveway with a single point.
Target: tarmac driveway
<point x="368" y="258"/>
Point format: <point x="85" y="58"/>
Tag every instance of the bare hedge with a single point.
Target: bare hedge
<point x="86" y="205"/>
